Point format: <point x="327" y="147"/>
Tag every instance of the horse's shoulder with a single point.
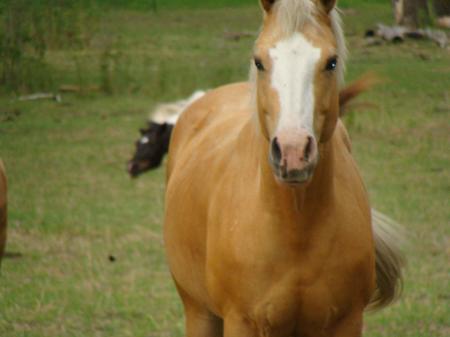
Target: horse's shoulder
<point x="346" y="171"/>
<point x="210" y="107"/>
<point x="208" y="117"/>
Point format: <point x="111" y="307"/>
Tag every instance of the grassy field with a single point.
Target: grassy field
<point x="85" y="244"/>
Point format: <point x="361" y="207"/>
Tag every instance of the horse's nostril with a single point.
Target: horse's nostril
<point x="133" y="167"/>
<point x="276" y="150"/>
<point x="308" y="148"/>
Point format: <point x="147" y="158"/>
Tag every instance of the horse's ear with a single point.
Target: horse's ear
<point x="162" y="128"/>
<point x="328" y="5"/>
<point x="267" y="4"/>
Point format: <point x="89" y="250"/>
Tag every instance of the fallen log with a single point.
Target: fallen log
<point x="401" y="33"/>
<point x="40" y="96"/>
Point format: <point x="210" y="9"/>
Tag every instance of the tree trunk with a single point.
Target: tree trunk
<point x="411" y="13"/>
<point x="441" y="7"/>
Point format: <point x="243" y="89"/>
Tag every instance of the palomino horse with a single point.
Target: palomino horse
<point x="268" y="227"/>
<point x="3" y="210"/>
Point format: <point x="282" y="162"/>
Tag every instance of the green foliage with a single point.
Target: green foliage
<point x="158" y="4"/>
<point x="28" y="30"/>
<point x="359" y="3"/>
<point x="172" y="4"/>
<point x="33" y="36"/>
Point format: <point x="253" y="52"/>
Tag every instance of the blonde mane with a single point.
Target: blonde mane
<point x="293" y="14"/>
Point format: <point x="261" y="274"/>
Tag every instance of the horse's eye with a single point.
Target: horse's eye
<point x="259" y="64"/>
<point x="331" y="64"/>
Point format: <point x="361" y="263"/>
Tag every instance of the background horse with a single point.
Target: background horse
<point x="150" y="148"/>
<point x="268" y="227"/>
<point x="3" y="210"/>
<point x="153" y="144"/>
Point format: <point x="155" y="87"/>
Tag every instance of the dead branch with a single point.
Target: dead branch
<point x="401" y="33"/>
<point x="40" y="96"/>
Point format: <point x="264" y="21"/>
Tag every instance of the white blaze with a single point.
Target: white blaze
<point x="294" y="62"/>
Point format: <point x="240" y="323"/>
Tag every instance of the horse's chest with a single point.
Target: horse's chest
<point x="286" y="288"/>
<point x="287" y="274"/>
<point x="292" y="306"/>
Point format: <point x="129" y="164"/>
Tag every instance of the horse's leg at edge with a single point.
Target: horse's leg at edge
<point x="237" y="326"/>
<point x="200" y="322"/>
<point x="350" y="326"/>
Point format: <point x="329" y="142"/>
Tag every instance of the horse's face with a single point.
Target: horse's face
<point x="150" y="148"/>
<point x="296" y="90"/>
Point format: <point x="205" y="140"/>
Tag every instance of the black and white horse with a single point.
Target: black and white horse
<point x="153" y="144"/>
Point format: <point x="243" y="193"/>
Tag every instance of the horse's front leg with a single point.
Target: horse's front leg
<point x="199" y="321"/>
<point x="202" y="323"/>
<point x="349" y="326"/>
<point x="236" y="325"/>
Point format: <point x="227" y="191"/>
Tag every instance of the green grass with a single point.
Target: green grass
<point x="72" y="205"/>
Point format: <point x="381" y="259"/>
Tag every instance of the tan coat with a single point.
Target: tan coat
<point x="265" y="259"/>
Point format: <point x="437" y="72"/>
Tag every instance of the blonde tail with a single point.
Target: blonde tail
<point x="353" y="90"/>
<point x="389" y="260"/>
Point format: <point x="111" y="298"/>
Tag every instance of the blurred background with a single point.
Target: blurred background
<point x="79" y="78"/>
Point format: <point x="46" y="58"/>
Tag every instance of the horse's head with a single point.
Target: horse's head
<point x="297" y="69"/>
<point x="150" y="148"/>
